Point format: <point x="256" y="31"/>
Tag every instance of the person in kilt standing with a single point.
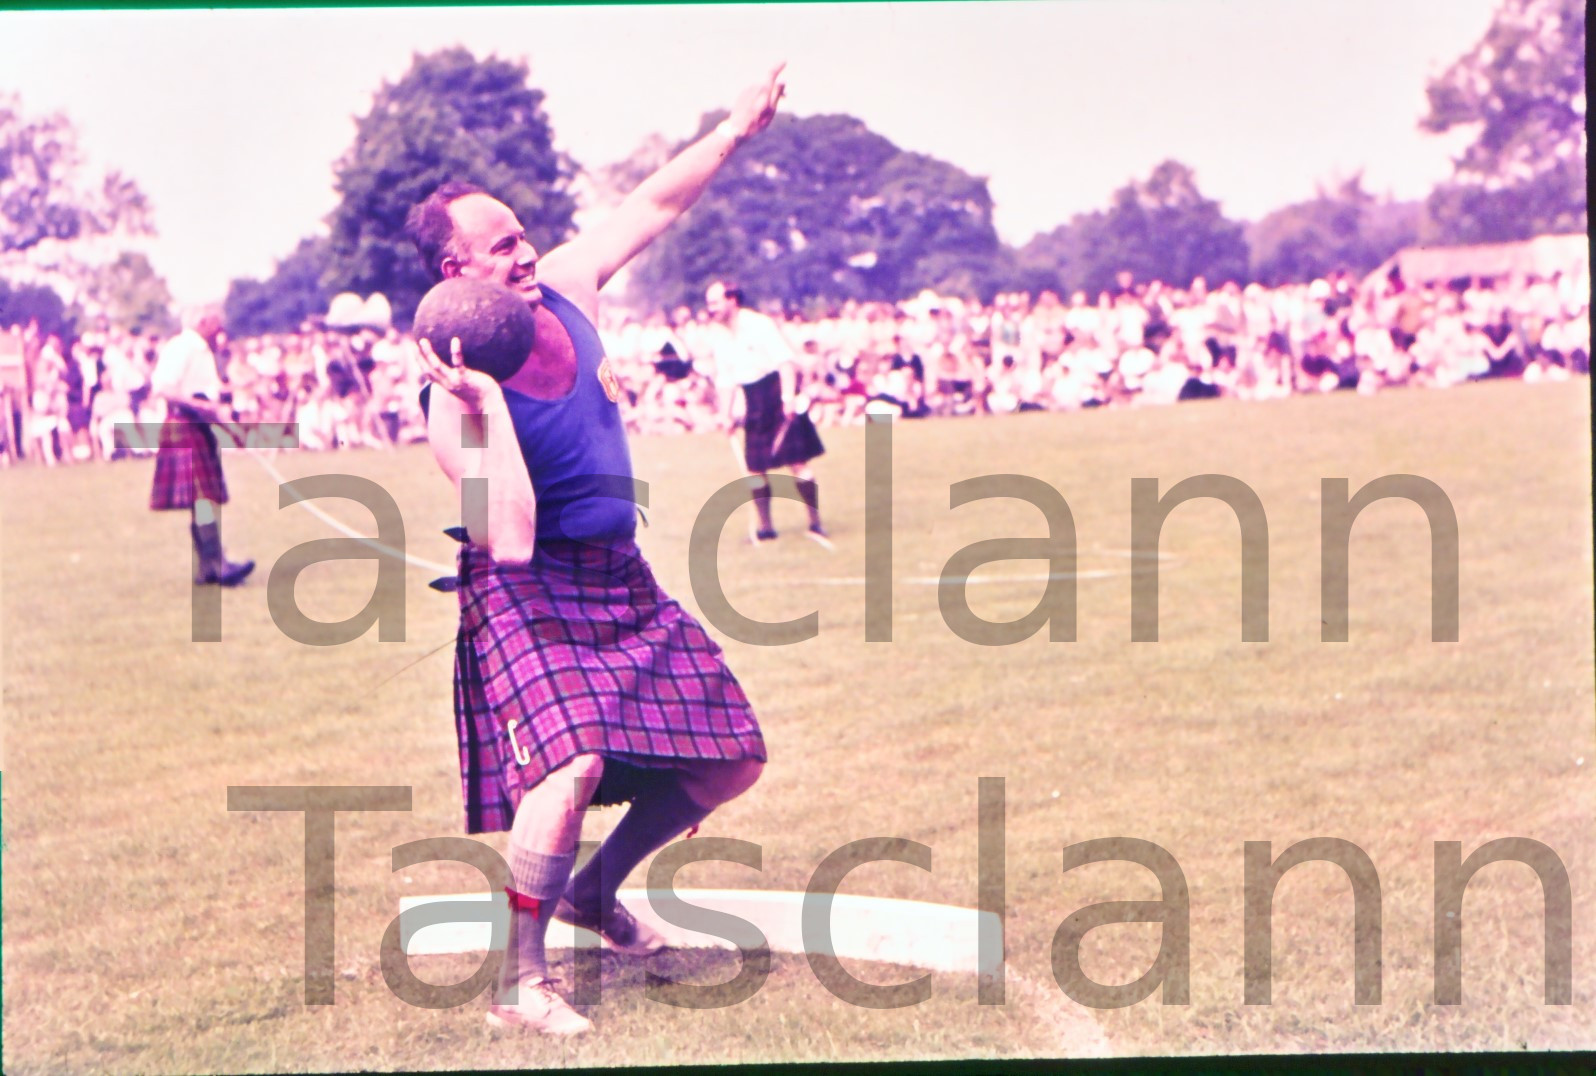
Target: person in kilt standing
<point x="577" y="679"/>
<point x="753" y="356"/>
<point x="188" y="468"/>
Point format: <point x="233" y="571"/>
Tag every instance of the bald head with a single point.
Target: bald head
<point x="463" y="231"/>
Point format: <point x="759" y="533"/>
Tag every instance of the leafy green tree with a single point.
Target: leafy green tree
<point x="1166" y="230"/>
<point x="47" y="191"/>
<point x="1061" y="260"/>
<point x="936" y="220"/>
<point x="283" y="301"/>
<point x="133" y="296"/>
<point x="823" y="208"/>
<point x="1345" y="227"/>
<point x="58" y="217"/>
<point x="451" y="116"/>
<point x="1523" y="84"/>
<point x="1038" y="265"/>
<point x="1160" y="228"/>
<point x="22" y="303"/>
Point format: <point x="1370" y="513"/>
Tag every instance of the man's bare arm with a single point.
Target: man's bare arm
<point x="472" y="402"/>
<point x="585" y="264"/>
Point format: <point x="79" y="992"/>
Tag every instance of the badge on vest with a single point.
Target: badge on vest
<point x="606" y="376"/>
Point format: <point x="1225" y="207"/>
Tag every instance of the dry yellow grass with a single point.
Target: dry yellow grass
<point x="147" y="929"/>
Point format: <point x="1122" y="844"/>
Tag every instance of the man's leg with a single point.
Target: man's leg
<point x="213" y="566"/>
<point x="711" y="782"/>
<point x="678" y="800"/>
<point x="809" y="490"/>
<point x="760" y="484"/>
<point x="542" y="850"/>
<point x="204" y="567"/>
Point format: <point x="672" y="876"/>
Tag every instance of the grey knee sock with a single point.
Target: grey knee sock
<point x="537" y="879"/>
<point x="762" y="506"/>
<point x="809" y="490"/>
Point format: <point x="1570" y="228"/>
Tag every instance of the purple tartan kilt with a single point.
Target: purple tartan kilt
<point x="584" y="653"/>
<point x="187" y="466"/>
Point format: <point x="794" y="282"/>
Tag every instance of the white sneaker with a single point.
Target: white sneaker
<point x="539" y="1007"/>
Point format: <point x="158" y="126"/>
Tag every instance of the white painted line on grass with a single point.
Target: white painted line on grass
<point x="940" y="937"/>
<point x="822" y="581"/>
<point x="937" y="937"/>
<point x="427" y="565"/>
<point x="934" y="580"/>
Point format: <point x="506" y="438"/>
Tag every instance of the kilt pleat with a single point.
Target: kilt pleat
<point x="187" y="467"/>
<point x="582" y="652"/>
<point x="771" y="438"/>
<point x="797" y="442"/>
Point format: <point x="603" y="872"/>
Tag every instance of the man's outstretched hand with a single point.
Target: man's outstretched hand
<point x="756" y="105"/>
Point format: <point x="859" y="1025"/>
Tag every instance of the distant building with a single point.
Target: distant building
<point x="1541" y="256"/>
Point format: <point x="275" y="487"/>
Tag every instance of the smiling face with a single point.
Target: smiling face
<point x="490" y="244"/>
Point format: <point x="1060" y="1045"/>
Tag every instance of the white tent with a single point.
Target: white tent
<point x="348" y="311"/>
<point x="1541" y="256"/>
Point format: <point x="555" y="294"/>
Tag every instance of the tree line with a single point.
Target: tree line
<point x="821" y="208"/>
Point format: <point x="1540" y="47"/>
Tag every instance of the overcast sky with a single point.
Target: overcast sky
<point x="230" y="120"/>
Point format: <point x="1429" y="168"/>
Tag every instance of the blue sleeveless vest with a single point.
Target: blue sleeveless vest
<point x="575" y="446"/>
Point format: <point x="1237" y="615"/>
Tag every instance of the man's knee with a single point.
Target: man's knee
<point x="573" y="784"/>
<point x="746" y="772"/>
<point x="713" y="783"/>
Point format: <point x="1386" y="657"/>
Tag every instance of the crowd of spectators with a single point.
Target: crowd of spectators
<point x="1139" y="344"/>
<point x="91" y="400"/>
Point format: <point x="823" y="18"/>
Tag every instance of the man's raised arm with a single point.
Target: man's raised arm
<point x="598" y="253"/>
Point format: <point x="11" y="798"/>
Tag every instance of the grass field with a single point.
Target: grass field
<point x="147" y="929"/>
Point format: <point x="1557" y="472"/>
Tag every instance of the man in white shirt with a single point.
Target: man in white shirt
<point x="188" y="469"/>
<point x="752" y="354"/>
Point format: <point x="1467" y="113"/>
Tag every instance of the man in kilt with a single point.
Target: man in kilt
<point x="188" y="468"/>
<point x="752" y="355"/>
<point x="577" y="679"/>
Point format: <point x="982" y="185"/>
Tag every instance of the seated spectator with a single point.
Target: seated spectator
<point x="1543" y="369"/>
<point x="824" y="398"/>
<point x="316" y="429"/>
<point x="1318" y="371"/>
<point x="670" y="364"/>
<point x="1503" y="355"/>
<point x="1568" y="342"/>
<point x="897" y="385"/>
<point x="1369" y="380"/>
<point x="1003" y="395"/>
<point x="1165" y="382"/>
<point x="852" y="390"/>
<point x="1135" y="363"/>
<point x="47" y="417"/>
